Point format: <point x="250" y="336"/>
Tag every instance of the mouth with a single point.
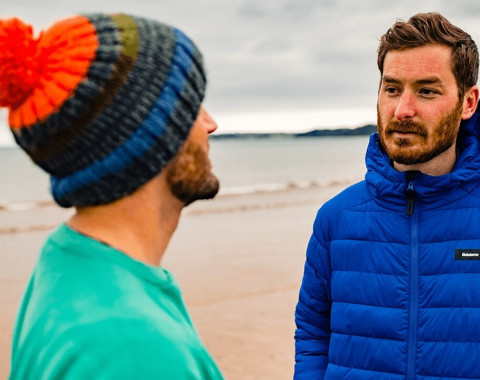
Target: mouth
<point x="406" y="132"/>
<point x="403" y="134"/>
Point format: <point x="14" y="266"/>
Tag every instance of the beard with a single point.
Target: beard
<point x="189" y="174"/>
<point x="424" y="146"/>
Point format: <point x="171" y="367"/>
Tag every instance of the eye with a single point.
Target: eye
<point x="391" y="90"/>
<point x="428" y="92"/>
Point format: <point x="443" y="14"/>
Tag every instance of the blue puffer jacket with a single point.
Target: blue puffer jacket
<point x="391" y="287"/>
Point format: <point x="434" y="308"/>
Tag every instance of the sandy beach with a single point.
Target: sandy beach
<point x="238" y="259"/>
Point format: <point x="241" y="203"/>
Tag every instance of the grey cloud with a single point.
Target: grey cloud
<point x="275" y="53"/>
<point x="251" y="9"/>
<point x="304" y="8"/>
<point x="276" y="45"/>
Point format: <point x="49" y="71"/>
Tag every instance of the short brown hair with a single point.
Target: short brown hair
<point x="432" y="28"/>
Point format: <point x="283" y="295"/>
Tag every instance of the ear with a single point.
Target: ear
<point x="470" y="101"/>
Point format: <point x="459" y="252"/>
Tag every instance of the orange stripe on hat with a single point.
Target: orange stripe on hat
<point x="63" y="56"/>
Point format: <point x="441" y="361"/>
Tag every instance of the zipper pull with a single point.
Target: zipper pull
<point x="410" y="204"/>
<point x="410" y="194"/>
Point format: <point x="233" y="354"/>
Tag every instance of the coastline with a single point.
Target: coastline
<point x="239" y="261"/>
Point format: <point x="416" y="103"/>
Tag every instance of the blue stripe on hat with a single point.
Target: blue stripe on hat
<point x="145" y="136"/>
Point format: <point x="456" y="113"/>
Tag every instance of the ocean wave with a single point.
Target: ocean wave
<point x="230" y="200"/>
<point x="290" y="185"/>
<point x="29" y="228"/>
<point x="25" y="206"/>
<point x="16" y="206"/>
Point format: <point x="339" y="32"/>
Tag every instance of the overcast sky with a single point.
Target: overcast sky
<point x="276" y="64"/>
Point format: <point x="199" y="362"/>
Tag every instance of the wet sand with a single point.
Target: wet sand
<point x="239" y="261"/>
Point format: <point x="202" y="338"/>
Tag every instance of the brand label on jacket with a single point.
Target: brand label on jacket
<point x="467" y="254"/>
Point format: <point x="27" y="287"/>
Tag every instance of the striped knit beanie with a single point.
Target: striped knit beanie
<point x="100" y="102"/>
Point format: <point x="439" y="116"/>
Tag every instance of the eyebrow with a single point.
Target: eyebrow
<point x="424" y="81"/>
<point x="387" y="79"/>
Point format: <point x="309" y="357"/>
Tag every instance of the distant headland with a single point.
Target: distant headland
<point x="360" y="131"/>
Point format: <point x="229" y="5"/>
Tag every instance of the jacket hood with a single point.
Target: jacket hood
<point x="389" y="186"/>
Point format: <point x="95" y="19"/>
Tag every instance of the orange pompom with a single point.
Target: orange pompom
<point x="19" y="67"/>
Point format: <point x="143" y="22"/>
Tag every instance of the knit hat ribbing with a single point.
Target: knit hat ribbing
<point x="102" y="103"/>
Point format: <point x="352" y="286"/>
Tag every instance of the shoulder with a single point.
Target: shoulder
<point x="118" y="348"/>
<point x="345" y="207"/>
<point x="353" y="197"/>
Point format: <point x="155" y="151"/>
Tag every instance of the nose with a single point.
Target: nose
<point x="210" y="124"/>
<point x="405" y="107"/>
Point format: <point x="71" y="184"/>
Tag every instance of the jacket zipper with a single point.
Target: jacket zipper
<point x="410" y="197"/>
<point x="413" y="293"/>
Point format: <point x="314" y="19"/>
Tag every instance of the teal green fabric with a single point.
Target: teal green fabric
<point x="92" y="312"/>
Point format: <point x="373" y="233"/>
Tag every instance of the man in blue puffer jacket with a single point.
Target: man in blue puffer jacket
<point x="391" y="288"/>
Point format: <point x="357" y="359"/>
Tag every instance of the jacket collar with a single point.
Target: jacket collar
<point x="389" y="186"/>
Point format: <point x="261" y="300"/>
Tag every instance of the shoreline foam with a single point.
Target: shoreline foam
<point x="22" y="206"/>
<point x="18" y="218"/>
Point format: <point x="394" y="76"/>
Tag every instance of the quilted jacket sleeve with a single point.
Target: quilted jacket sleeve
<point x="312" y="315"/>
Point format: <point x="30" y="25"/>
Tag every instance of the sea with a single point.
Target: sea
<point x="243" y="165"/>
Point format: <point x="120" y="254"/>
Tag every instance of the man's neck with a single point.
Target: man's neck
<point x="139" y="225"/>
<point x="439" y="165"/>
